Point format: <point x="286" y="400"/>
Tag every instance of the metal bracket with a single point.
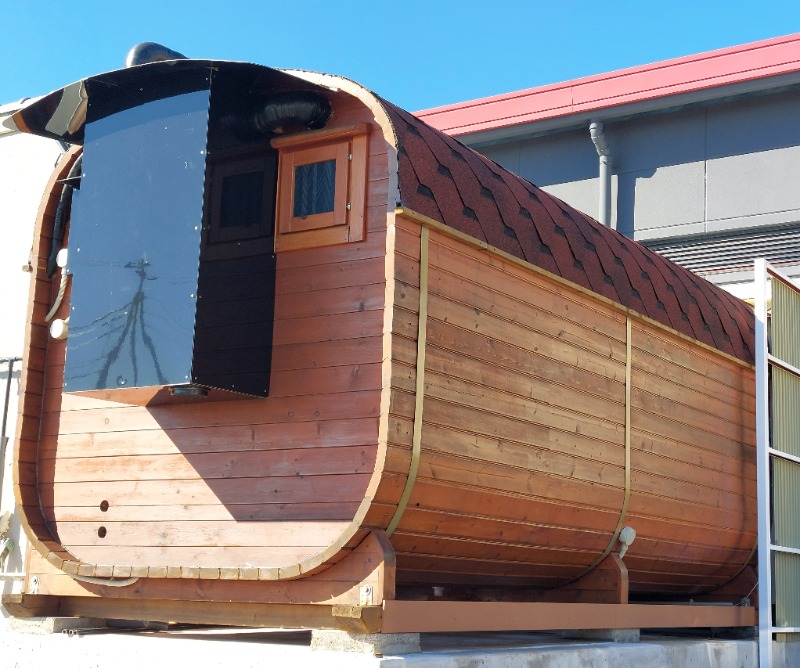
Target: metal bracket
<point x="365" y="595"/>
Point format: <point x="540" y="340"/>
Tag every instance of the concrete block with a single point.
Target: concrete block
<point x="374" y="643"/>
<point x="48" y="625"/>
<point x="603" y="635"/>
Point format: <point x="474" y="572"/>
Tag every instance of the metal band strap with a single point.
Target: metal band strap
<point x="624" y="510"/>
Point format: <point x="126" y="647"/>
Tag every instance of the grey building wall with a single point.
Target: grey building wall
<point x="711" y="186"/>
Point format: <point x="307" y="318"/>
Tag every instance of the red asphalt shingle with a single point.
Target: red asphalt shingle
<point x="449" y="182"/>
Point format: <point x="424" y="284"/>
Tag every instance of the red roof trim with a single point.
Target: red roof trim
<point x="737" y="64"/>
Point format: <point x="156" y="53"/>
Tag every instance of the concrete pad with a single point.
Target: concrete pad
<point x="245" y="648"/>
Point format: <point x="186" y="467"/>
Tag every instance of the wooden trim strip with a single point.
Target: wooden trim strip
<point x="419" y="393"/>
<point x="324" y="135"/>
<point x="396" y="616"/>
<point x="455" y="616"/>
<point x="425" y="221"/>
<point x="351" y="618"/>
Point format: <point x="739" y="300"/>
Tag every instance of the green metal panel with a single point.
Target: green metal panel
<point x="786" y="502"/>
<point x="787" y="590"/>
<point x="785" y="438"/>
<point x="785" y="402"/>
<point x="785" y="330"/>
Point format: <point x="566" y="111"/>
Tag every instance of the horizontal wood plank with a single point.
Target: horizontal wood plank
<point x="229" y="439"/>
<point x="534" y="484"/>
<point x="274" y="410"/>
<point x="211" y="466"/>
<point x="256" y="512"/>
<point x="330" y="276"/>
<point x="264" y="535"/>
<point x="353" y="299"/>
<point x="193" y="557"/>
<point x="226" y="491"/>
<point x="445" y="405"/>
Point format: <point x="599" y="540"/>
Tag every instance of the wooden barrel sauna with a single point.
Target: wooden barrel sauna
<point x="448" y="358"/>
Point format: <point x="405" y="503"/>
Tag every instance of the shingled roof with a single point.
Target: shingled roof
<point x="441" y="178"/>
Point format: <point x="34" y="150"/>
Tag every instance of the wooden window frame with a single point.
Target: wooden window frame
<point x="347" y="145"/>
<point x="235" y="167"/>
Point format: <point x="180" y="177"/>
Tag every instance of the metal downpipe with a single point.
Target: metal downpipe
<point x="604" y="176"/>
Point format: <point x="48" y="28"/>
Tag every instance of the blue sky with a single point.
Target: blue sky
<point x="415" y="53"/>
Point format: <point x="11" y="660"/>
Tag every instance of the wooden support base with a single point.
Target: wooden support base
<point x="447" y="616"/>
<point x="266" y="615"/>
<point x="357" y="595"/>
<point x="31" y="605"/>
<point x="394" y="616"/>
<point x="607" y="583"/>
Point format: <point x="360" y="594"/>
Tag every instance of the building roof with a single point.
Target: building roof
<point x="744" y="68"/>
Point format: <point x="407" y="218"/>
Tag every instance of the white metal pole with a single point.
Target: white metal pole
<point x="762" y="457"/>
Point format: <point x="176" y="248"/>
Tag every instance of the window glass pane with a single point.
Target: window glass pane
<point x="242" y="197"/>
<point x="314" y="187"/>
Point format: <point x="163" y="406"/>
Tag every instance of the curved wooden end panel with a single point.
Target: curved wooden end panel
<point x="32" y="381"/>
<point x="257" y="489"/>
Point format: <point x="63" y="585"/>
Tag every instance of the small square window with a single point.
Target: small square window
<point x="321" y="187"/>
<point x="241" y="195"/>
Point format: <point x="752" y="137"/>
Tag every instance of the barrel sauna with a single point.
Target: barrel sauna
<point x="319" y="353"/>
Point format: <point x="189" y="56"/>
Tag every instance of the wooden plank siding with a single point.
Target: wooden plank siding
<point x="241" y="483"/>
<point x="521" y="476"/>
<point x="693" y="496"/>
<point x="522" y="411"/>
